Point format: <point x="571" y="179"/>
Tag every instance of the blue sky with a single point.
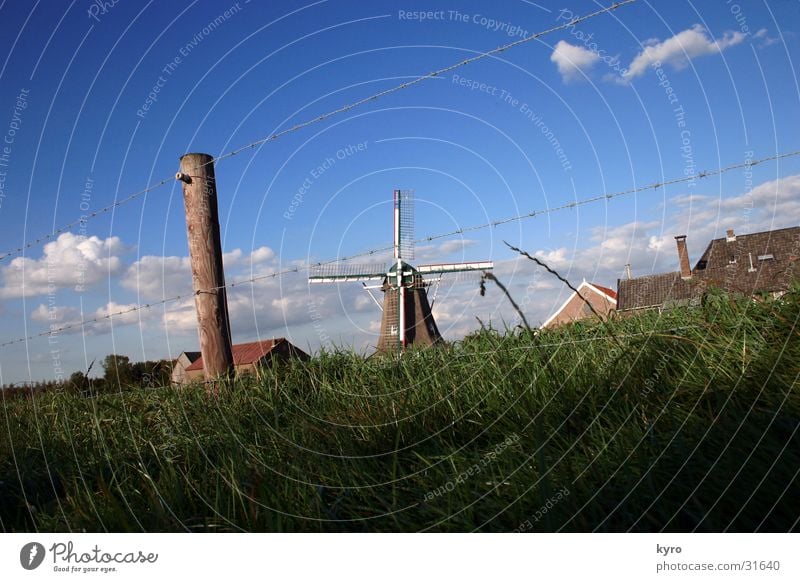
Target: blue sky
<point x="99" y="100"/>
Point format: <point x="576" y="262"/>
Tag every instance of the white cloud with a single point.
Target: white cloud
<point x="154" y="277"/>
<point x="53" y="314"/>
<point x="70" y="261"/>
<point x="441" y="251"/>
<point x="262" y="255"/>
<point x="572" y="61"/>
<point x="678" y="50"/>
<point x="764" y="37"/>
<point x="106" y="317"/>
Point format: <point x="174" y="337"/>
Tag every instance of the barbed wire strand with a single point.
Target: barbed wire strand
<point x="420" y="79"/>
<point x="610" y="196"/>
<point x="308" y="266"/>
<point x="318" y="119"/>
<point x="86" y="217"/>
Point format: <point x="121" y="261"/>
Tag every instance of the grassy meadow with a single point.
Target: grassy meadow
<point x="681" y="421"/>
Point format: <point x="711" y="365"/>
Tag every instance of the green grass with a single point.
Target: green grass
<point x="682" y="421"/>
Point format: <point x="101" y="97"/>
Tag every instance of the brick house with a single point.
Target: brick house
<point x="602" y="299"/>
<point x="250" y="357"/>
<point x="750" y="264"/>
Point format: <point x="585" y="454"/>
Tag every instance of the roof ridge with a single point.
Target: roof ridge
<point x="759" y="232"/>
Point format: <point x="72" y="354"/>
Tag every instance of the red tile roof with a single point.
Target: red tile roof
<point x="610" y="292"/>
<point x="248" y="353"/>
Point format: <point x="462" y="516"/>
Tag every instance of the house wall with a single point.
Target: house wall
<point x="194" y="376"/>
<point x="576" y="308"/>
<point x="179" y="374"/>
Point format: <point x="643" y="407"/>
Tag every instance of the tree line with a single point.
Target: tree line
<point x="119" y="374"/>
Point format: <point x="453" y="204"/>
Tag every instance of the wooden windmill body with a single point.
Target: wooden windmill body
<point x="407" y="317"/>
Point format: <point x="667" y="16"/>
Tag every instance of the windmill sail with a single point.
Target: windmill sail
<point x="404" y="224"/>
<point x="343" y="273"/>
<point x="455" y="267"/>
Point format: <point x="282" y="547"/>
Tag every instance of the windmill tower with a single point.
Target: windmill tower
<point x="407" y="318"/>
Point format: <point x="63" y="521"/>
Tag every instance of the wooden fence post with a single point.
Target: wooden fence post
<point x="205" y="252"/>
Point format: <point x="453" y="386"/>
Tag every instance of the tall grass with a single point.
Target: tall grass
<point x="687" y="421"/>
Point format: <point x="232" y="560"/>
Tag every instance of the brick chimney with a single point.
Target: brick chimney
<point x="683" y="257"/>
<point x="730" y="236"/>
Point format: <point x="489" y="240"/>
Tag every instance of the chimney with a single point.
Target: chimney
<point x="683" y="257"/>
<point x="730" y="237"/>
<point x="628" y="274"/>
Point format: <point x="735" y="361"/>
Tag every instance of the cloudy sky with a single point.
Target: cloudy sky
<point x="99" y="100"/>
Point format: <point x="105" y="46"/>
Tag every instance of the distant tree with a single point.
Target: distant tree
<point x="78" y="382"/>
<point x="151" y="374"/>
<point x="118" y="372"/>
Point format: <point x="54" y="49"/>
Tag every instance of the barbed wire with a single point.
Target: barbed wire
<point x="420" y="79"/>
<point x="608" y="196"/>
<point x="318" y="119"/>
<point x="85" y="218"/>
<point x="310" y="265"/>
<point x="84" y="322"/>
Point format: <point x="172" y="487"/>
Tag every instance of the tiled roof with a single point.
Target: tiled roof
<point x="655" y="290"/>
<point x="752" y="263"/>
<point x="749" y="263"/>
<point x="248" y="353"/>
<point x="610" y="292"/>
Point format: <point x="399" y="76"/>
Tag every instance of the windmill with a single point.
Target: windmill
<point x="407" y="318"/>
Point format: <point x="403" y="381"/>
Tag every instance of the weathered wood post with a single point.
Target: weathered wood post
<point x="205" y="252"/>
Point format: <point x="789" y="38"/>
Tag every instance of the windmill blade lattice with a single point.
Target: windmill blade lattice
<point x="405" y="198"/>
<point x="341" y="273"/>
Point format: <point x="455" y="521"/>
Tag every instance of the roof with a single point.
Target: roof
<point x="655" y="290"/>
<point x="746" y="263"/>
<point x="248" y="353"/>
<point x="612" y="295"/>
<point x="752" y="263"/>
<point x="610" y="292"/>
<point x="191" y="356"/>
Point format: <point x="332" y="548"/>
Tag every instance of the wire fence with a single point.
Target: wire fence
<point x="312" y="121"/>
<point x="315" y="265"/>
